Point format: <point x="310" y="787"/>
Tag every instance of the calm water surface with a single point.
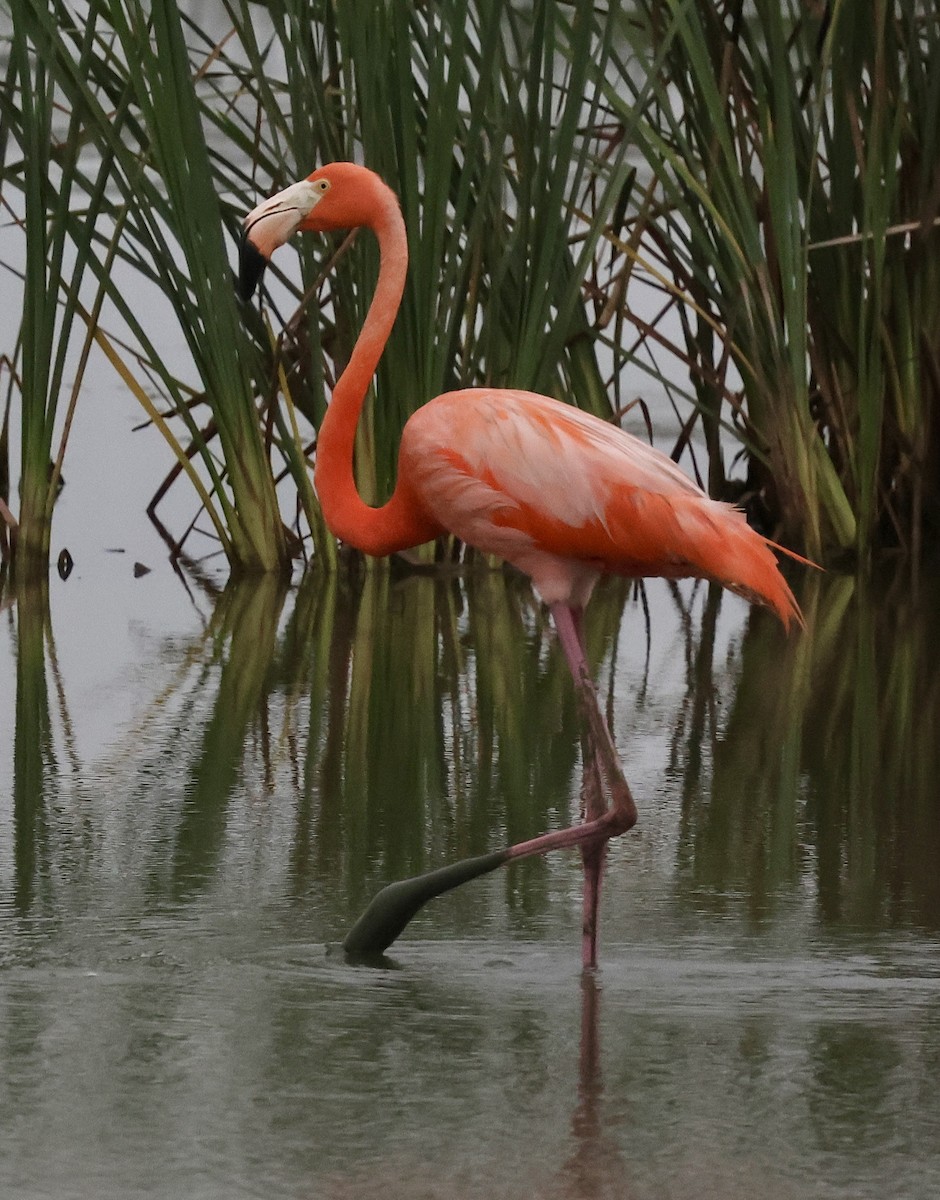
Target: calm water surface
<point x="205" y="785"/>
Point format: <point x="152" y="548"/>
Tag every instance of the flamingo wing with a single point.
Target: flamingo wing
<point x="566" y="497"/>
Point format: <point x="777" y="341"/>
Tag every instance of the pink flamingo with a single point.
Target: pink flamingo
<point x="561" y="495"/>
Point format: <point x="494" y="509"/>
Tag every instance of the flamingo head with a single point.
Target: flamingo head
<point x="338" y="196"/>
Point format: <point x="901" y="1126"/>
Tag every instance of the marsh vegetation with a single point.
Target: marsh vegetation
<point x="739" y="202"/>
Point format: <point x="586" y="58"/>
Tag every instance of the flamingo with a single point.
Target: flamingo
<point x="563" y="496"/>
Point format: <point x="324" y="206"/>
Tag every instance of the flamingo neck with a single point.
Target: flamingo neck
<point x="399" y="523"/>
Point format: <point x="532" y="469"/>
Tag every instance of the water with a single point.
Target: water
<point x="198" y="806"/>
<point x="201" y="787"/>
<point x="222" y="1052"/>
<point x="225" y="1055"/>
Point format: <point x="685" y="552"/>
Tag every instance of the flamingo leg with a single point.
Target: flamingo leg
<point x="602" y="759"/>
<point x="567" y="622"/>
<point x="593" y="854"/>
<point x="394" y="906"/>
<point x="601" y="823"/>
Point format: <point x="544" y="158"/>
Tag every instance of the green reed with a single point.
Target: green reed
<point x="125" y="123"/>
<point x="40" y="155"/>
<point x="792" y="219"/>
<point x="483" y="118"/>
<point x="784" y="203"/>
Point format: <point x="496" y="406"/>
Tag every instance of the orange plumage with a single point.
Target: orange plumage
<point x="566" y="498"/>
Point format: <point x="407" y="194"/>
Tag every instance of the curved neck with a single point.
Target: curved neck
<point x="399" y="523"/>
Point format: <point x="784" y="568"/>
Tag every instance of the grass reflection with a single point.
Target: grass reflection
<point x="434" y="716"/>
<point x="366" y="728"/>
<point x="33" y="754"/>
<point x="739" y="831"/>
<point x="824" y="769"/>
<point x="243" y="628"/>
<point x="48" y="835"/>
<point x="873" y="752"/>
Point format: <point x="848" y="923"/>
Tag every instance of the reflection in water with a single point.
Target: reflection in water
<point x="872" y="748"/>
<point x="164" y="904"/>
<point x="245" y="623"/>
<point x="824" y="766"/>
<point x="38" y="767"/>
<point x="414" y="720"/>
<point x="596" y="1170"/>
<point x="33" y="760"/>
<point x="853" y="1070"/>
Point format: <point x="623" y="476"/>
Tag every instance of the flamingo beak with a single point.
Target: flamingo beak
<point x="269" y="226"/>
<point x="251" y="264"/>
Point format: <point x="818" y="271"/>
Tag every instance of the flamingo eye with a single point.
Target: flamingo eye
<point x="322" y="185"/>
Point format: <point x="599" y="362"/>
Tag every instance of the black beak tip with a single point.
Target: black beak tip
<point x="251" y="264"/>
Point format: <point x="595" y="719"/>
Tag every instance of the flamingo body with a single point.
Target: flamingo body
<point x="567" y="498"/>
